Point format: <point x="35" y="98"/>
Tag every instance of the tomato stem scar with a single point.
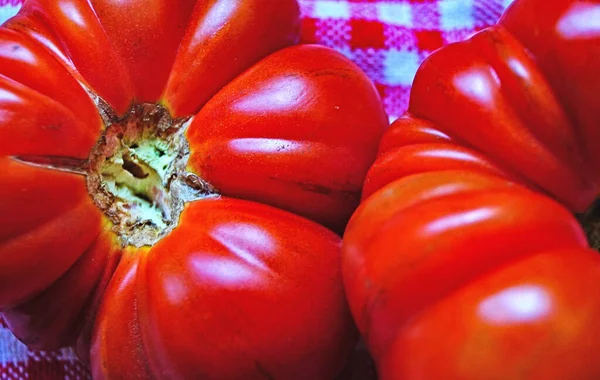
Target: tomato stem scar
<point x="137" y="174"/>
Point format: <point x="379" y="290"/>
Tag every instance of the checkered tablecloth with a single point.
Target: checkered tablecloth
<point x="387" y="38"/>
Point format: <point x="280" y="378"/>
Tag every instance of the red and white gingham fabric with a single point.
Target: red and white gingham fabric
<point x="388" y="39"/>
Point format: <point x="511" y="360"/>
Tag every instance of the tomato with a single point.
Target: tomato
<point x="248" y="301"/>
<point x="465" y="259"/>
<point x="172" y="175"/>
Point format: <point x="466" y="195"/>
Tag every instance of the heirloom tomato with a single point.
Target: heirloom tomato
<point x="171" y="177"/>
<point x="467" y="258"/>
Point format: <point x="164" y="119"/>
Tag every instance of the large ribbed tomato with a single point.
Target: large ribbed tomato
<point x="167" y="173"/>
<point x="465" y="260"/>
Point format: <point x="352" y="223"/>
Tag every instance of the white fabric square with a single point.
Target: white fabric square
<point x="395" y="13"/>
<point x="506" y="3"/>
<point x="400" y="67"/>
<point x="7" y="11"/>
<point x="11" y="350"/>
<point x="456" y="14"/>
<point x="331" y="9"/>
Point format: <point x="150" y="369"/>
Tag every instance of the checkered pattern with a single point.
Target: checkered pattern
<point x="388" y="39"/>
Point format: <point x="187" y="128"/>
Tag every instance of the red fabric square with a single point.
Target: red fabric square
<point x="366" y="34"/>
<point x="429" y="40"/>
<point x="309" y="30"/>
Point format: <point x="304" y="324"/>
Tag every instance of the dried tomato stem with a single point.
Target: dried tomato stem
<point x="137" y="174"/>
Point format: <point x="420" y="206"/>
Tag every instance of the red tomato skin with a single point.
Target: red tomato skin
<point x="224" y="296"/>
<point x="494" y="98"/>
<point x="310" y="150"/>
<point x="244" y="32"/>
<point x="50" y="225"/>
<point x="533" y="319"/>
<point x="442" y="225"/>
<point x="56" y="317"/>
<point x="568" y="56"/>
<point x="70" y="221"/>
<point x="460" y="263"/>
<point x="503" y="94"/>
<point x="159" y="51"/>
<point x="83" y="39"/>
<point x="147" y="47"/>
<point x="417" y="245"/>
<point x="63" y="63"/>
